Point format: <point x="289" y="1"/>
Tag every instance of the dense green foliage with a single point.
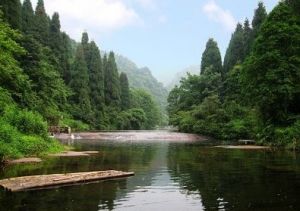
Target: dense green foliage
<point x="12" y="12"/>
<point x="140" y="99"/>
<point x="235" y="50"/>
<point x="125" y="96"/>
<point x="81" y="104"/>
<point x="211" y="58"/>
<point x="260" y="15"/>
<point x="46" y="78"/>
<point x="111" y="82"/>
<point x="258" y="94"/>
<point x="96" y="85"/>
<point x="41" y="24"/>
<point x="132" y="119"/>
<point x="276" y="55"/>
<point x="24" y="133"/>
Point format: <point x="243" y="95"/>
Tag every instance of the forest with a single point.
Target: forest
<point x="255" y="92"/>
<point x="47" y="78"/>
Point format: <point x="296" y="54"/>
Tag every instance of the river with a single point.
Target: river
<point x="181" y="175"/>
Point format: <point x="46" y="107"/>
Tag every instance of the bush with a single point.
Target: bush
<point x="5" y="99"/>
<point x="26" y="122"/>
<point x="186" y="122"/>
<point x="24" y="133"/>
<point x="132" y="119"/>
<point x="8" y="133"/>
<point x="8" y="150"/>
<point x="236" y="129"/>
<point x="281" y="136"/>
<point x="32" y="145"/>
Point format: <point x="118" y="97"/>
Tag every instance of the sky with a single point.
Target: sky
<point x="164" y="35"/>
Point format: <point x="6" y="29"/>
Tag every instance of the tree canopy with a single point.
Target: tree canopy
<point x="211" y="57"/>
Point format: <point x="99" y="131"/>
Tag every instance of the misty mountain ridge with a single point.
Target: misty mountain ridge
<point x="194" y="69"/>
<point x="142" y="78"/>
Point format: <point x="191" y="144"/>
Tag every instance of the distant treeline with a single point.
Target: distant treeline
<point x="255" y="92"/>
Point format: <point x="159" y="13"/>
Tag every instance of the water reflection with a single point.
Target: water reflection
<point x="175" y="176"/>
<point x="236" y="179"/>
<point x="162" y="193"/>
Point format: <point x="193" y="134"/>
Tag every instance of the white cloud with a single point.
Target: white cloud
<point x="92" y="15"/>
<point x="220" y="15"/>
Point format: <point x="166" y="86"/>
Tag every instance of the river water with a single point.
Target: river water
<point x="168" y="176"/>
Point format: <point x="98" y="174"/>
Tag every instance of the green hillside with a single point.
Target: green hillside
<point x="142" y="78"/>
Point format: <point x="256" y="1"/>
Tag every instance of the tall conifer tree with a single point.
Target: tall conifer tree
<point x="86" y="47"/>
<point x="106" y="75"/>
<point x="12" y="12"/>
<point x="66" y="58"/>
<point x="235" y="50"/>
<point x="55" y="36"/>
<point x="80" y="86"/>
<point x="260" y="15"/>
<point x="41" y="24"/>
<point x="247" y="38"/>
<point x="96" y="84"/>
<point x="112" y="82"/>
<point x="125" y="96"/>
<point x="27" y="17"/>
<point x="211" y="57"/>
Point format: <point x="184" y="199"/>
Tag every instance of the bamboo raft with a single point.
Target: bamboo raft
<point x="55" y="180"/>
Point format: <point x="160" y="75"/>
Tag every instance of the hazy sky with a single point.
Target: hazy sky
<point x="164" y="35"/>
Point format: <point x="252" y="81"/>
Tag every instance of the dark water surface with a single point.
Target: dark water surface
<point x="169" y="176"/>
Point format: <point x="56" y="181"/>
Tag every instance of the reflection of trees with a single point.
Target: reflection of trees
<point x="244" y="179"/>
<point x="241" y="179"/>
<point x="121" y="156"/>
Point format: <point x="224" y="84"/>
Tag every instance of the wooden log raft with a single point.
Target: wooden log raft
<point x="53" y="180"/>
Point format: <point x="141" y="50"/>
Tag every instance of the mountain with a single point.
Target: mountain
<point x="142" y="78"/>
<point x="176" y="80"/>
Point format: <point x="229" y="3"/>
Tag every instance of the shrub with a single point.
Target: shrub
<point x="8" y="133"/>
<point x="8" y="150"/>
<point x="27" y="122"/>
<point x="289" y="136"/>
<point x="281" y="136"/>
<point x="236" y="129"/>
<point x="24" y="133"/>
<point x="5" y="99"/>
<point x="32" y="145"/>
<point x="132" y="119"/>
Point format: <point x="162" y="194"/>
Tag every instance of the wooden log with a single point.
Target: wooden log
<point x="54" y="180"/>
